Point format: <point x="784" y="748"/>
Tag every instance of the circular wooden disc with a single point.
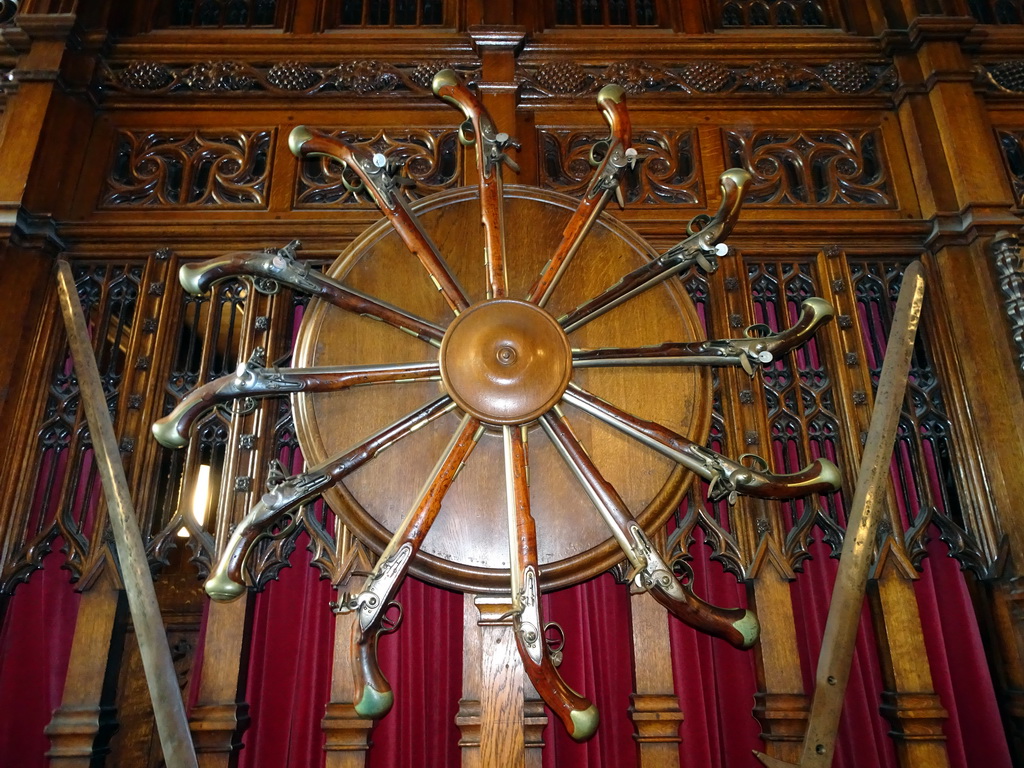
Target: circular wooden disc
<point x="467" y="547"/>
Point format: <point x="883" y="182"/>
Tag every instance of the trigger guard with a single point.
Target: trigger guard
<point x="387" y="625"/>
<point x="467" y="134"/>
<point x="602" y="144"/>
<point x="698" y="223"/>
<point x="757" y="331"/>
<point x="756" y="462"/>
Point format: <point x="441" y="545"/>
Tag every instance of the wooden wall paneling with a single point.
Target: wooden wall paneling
<point x="27" y="304"/>
<point x="953" y="124"/>
<point x="654" y="706"/>
<point x="221" y="713"/>
<point x="82" y="726"/>
<point x="910" y="702"/>
<point x="781" y="704"/>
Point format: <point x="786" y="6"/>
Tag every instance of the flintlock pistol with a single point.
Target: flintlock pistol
<point x="756" y="348"/>
<point x="727" y="477"/>
<point x="379" y="178"/>
<point x="703" y="247"/>
<point x="478" y="131"/>
<point x="607" y="180"/>
<point x="280" y="267"/>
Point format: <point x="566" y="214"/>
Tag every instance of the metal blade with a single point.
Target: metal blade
<point x="161" y="677"/>
<point x="855" y="564"/>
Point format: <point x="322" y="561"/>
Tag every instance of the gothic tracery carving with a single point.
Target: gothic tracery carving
<point x="194" y="168"/>
<point x="811" y="167"/>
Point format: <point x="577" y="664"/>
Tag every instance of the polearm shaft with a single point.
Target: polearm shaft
<point x="168" y="707"/>
<point x="844" y="611"/>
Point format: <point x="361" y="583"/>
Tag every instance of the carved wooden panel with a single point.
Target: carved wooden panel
<point x="64" y="482"/>
<point x="774" y="13"/>
<point x="429" y="156"/>
<point x="563" y="77"/>
<point x="812" y="167"/>
<point x="1011" y="142"/>
<point x="997" y="11"/>
<point x="207" y="346"/>
<point x="925" y="465"/>
<point x="801" y="401"/>
<point x="219" y="14"/>
<point x="359" y="77"/>
<point x="1004" y="76"/>
<point x="606" y="13"/>
<point x="194" y="168"/>
<point x="697" y="511"/>
<point x="669" y="172"/>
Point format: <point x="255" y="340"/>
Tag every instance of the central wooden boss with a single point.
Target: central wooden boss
<point x="504" y="361"/>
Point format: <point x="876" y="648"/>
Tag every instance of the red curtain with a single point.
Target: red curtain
<point x="292" y="646"/>
<point x="35" y="643"/>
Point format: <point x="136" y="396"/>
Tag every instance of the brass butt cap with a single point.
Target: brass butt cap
<point x="374" y="704"/>
<point x="300" y="135"/>
<point x="222" y="589"/>
<point x="613" y="92"/>
<point x="166" y="433"/>
<point x="737" y="176"/>
<point x="584" y="723"/>
<point x="444" y="78"/>
<point x="749" y="627"/>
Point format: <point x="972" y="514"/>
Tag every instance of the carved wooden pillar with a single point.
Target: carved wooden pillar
<point x="781" y="706"/>
<point x="81" y="727"/>
<point x="909" y="701"/>
<point x="221" y="714"/>
<point x="347" y="734"/>
<point x="654" y="706"/>
<point x="491" y="711"/>
<point x="964" y="191"/>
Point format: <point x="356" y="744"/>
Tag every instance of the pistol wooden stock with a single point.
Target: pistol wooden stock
<point x="227" y="581"/>
<point x="737" y="626"/>
<point x="489" y="153"/>
<point x="726" y="475"/>
<point x="306" y="142"/>
<point x="746" y="352"/>
<point x="373" y="695"/>
<point x="700" y="247"/>
<point x="255" y="382"/>
<point x="578" y="715"/>
<point x="605" y="181"/>
<point x="198" y="278"/>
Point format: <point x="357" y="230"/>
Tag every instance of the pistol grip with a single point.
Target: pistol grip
<point x="579" y="716"/>
<point x="226" y="582"/>
<point x="737" y="626"/>
<point x="612" y="102"/>
<point x="373" y="694"/>
<point x="172" y="430"/>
